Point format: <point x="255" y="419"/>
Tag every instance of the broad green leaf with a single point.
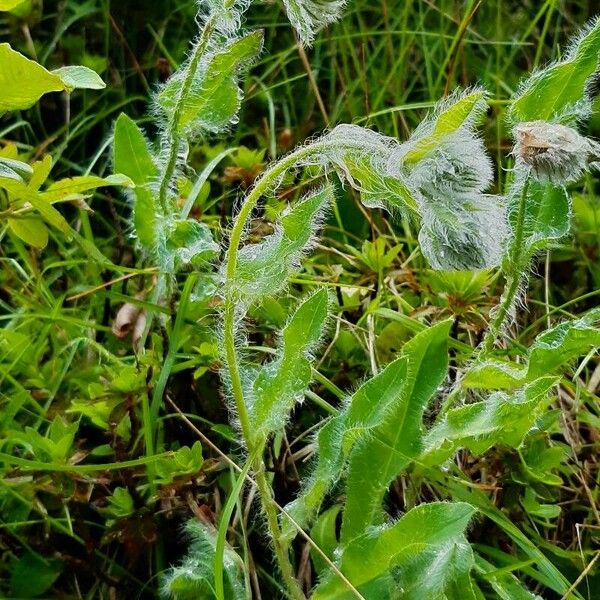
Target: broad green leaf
<point x="24" y="82"/>
<point x="132" y="157"/>
<point x="281" y="382"/>
<point x="548" y="93"/>
<point x="451" y="117"/>
<point x="72" y="186"/>
<point x="263" y="269"/>
<point x="421" y="554"/>
<point x="396" y="440"/>
<point x="324" y="534"/>
<point x="32" y="575"/>
<point x="79" y="77"/>
<point x="308" y="16"/>
<point x="32" y="231"/>
<point x="194" y="577"/>
<point x="191" y="242"/>
<point x="335" y="440"/>
<point x="215" y="97"/>
<point x="6" y="5"/>
<point x="501" y="419"/>
<point x="552" y="350"/>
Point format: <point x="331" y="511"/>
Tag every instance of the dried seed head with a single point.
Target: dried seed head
<point x="555" y="152"/>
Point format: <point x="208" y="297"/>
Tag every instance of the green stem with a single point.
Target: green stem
<point x="514" y="274"/>
<point x="229" y="324"/>
<point x="175" y="135"/>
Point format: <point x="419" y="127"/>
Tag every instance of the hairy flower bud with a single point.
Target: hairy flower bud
<point x="555" y="152"/>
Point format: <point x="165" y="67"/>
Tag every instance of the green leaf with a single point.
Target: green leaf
<point x="71" y="186"/>
<point x="263" y="269"/>
<point x="452" y="116"/>
<point x="6" y="5"/>
<point x="324" y="534"/>
<point x="132" y="157"/>
<point x="194" y="578"/>
<point x="506" y="585"/>
<point x="33" y="575"/>
<point x="548" y="93"/>
<point x="215" y="97"/>
<point x="552" y="350"/>
<point x="31" y="231"/>
<point x="501" y="419"/>
<point x="421" y="555"/>
<point x="22" y="81"/>
<point x="79" y="77"/>
<point x="191" y="242"/>
<point x="281" y="382"/>
<point x="335" y="440"/>
<point x="396" y="440"/>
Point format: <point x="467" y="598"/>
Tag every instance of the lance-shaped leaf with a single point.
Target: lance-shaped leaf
<point x="214" y="97"/>
<point x="421" y="555"/>
<point x="73" y="186"/>
<point x="501" y="419"/>
<point x="263" y="269"/>
<point x="132" y="157"/>
<point x="281" y="382"/>
<point x="549" y="94"/>
<point x="307" y="16"/>
<point x="551" y="351"/>
<point x="337" y="437"/>
<point x="24" y="82"/>
<point x="456" y="112"/>
<point x="396" y="440"/>
<point x="30" y="230"/>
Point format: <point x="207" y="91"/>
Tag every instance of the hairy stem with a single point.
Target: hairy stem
<point x="230" y="317"/>
<point x="514" y="274"/>
<point x="175" y="141"/>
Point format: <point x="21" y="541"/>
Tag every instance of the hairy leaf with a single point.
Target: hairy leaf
<point x="337" y="437"/>
<point x="191" y="242"/>
<point x="132" y="157"/>
<point x="281" y="382"/>
<point x="450" y="117"/>
<point x="263" y="269"/>
<point x="501" y="419"/>
<point x="421" y="555"/>
<point x="194" y="577"/>
<point x="551" y="351"/>
<point x="396" y="440"/>
<point x="307" y="16"/>
<point x="215" y="97"/>
<point x="549" y="94"/>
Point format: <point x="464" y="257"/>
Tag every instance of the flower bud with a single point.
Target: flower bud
<point x="556" y="153"/>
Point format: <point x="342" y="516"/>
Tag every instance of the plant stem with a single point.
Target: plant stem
<point x="514" y="274"/>
<point x="263" y="185"/>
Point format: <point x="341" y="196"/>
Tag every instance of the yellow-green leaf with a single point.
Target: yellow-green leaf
<point x="83" y="183"/>
<point x="79" y="77"/>
<point x="31" y="231"/>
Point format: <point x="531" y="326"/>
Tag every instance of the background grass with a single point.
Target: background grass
<point x="382" y="66"/>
